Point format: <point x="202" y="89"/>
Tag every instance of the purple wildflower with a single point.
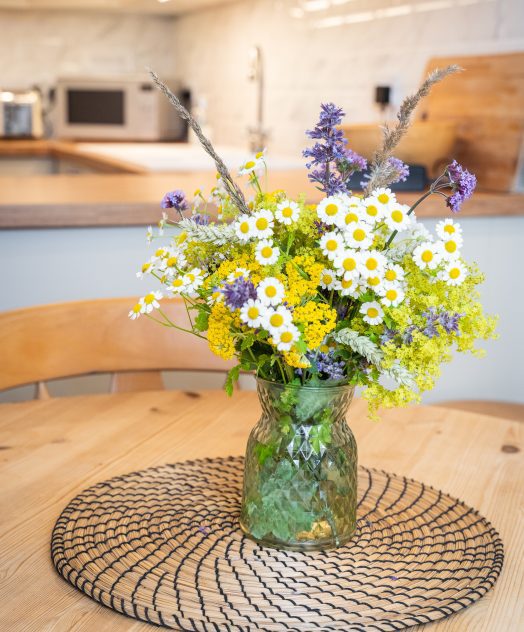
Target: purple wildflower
<point x="462" y="183"/>
<point x="175" y="199"/>
<point x="447" y="320"/>
<point x="321" y="227"/>
<point x="331" y="163"/>
<point x="387" y="336"/>
<point x="332" y="368"/>
<point x="238" y="292"/>
<point x="401" y="168"/>
<point x="408" y="334"/>
<point x="201" y="219"/>
<point x="450" y="322"/>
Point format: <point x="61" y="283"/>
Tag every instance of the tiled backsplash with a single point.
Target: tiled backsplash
<point x="304" y="65"/>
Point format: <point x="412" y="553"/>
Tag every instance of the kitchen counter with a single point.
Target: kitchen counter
<point x="126" y="193"/>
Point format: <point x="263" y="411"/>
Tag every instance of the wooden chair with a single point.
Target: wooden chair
<point x="48" y="342"/>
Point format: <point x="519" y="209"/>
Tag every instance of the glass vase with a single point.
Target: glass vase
<point x="300" y="478"/>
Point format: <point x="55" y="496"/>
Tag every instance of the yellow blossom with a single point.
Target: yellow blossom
<point x="318" y="319"/>
<point x="219" y="336"/>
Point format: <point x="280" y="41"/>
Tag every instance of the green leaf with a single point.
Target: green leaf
<point x="231" y="379"/>
<point x="201" y="321"/>
<point x="247" y="342"/>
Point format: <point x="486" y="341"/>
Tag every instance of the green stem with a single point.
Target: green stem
<point x="169" y="323"/>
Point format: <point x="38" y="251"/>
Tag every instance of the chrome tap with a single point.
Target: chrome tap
<point x="257" y="134"/>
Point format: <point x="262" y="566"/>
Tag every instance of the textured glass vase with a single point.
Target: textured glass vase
<point x="300" y="478"/>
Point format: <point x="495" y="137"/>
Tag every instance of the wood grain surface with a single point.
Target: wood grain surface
<point x="51" y="450"/>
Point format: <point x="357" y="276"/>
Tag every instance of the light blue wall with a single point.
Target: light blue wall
<point x="44" y="266"/>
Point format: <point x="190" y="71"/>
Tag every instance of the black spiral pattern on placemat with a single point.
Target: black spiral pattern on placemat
<point x="163" y="545"/>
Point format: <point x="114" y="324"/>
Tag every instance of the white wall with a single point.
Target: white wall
<point x="306" y="65"/>
<point x="38" y="46"/>
<point x="43" y="266"/>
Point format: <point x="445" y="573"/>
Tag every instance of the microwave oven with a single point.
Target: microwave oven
<point x="120" y="108"/>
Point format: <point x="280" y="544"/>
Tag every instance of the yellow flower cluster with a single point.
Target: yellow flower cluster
<point x="220" y="340"/>
<point x="319" y="319"/>
<point x="240" y="260"/>
<point x="296" y="360"/>
<point x="303" y="277"/>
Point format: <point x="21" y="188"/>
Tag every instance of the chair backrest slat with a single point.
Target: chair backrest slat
<point x="83" y="337"/>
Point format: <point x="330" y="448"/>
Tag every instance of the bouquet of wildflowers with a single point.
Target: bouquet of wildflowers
<point x="350" y="290"/>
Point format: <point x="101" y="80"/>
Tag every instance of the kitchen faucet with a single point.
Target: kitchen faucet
<point x="257" y="134"/>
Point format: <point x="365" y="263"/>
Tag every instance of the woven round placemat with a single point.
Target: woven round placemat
<point x="163" y="545"/>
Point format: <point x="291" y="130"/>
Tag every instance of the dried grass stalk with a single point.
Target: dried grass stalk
<point x="236" y="194"/>
<point x="382" y="173"/>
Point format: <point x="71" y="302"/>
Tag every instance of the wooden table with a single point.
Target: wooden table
<point x="51" y="450"/>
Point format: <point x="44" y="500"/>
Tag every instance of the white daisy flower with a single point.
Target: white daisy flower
<point x="427" y="255"/>
<point x="275" y="319"/>
<point x="176" y="259"/>
<point x="385" y="197"/>
<point x="375" y="282"/>
<point x="350" y="216"/>
<point x="418" y="231"/>
<point x="270" y="291"/>
<point x="287" y="212"/>
<point x="454" y="273"/>
<point x="328" y="280"/>
<point x="396" y="217"/>
<point x="150" y="301"/>
<point x="244" y="227"/>
<point x="193" y="279"/>
<point x="286" y="337"/>
<point x="217" y="296"/>
<point x="179" y="285"/>
<point x="393" y="273"/>
<point x="331" y="244"/>
<point x="359" y="235"/>
<point x="372" y="263"/>
<point x="351" y="287"/>
<point x="448" y="228"/>
<point x="266" y="253"/>
<point x="347" y="263"/>
<point x="147" y="268"/>
<point x="373" y="211"/>
<point x="392" y="296"/>
<point x="252" y="165"/>
<point x="451" y="247"/>
<point x="252" y="312"/>
<point x="372" y="312"/>
<point x="330" y="209"/>
<point x="239" y="272"/>
<point x="263" y="223"/>
<point x="136" y="311"/>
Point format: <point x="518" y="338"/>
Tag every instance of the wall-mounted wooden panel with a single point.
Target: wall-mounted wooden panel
<point x="486" y="102"/>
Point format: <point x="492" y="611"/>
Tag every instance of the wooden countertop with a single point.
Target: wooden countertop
<point x="51" y="450"/>
<point x="129" y="195"/>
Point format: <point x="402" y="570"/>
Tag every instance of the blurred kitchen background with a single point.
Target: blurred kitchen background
<point x="88" y="147"/>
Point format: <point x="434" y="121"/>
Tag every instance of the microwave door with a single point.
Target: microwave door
<point x="96" y="107"/>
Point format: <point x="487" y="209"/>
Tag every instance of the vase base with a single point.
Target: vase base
<point x="305" y="546"/>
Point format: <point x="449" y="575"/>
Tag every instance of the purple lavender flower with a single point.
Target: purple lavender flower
<point x="401" y="168"/>
<point x="462" y="183"/>
<point x="201" y="219"/>
<point x="238" y="292"/>
<point x="450" y="322"/>
<point x="447" y="320"/>
<point x="387" y="336"/>
<point x="175" y="199"/>
<point x="332" y="368"/>
<point x="432" y="320"/>
<point x="331" y="163"/>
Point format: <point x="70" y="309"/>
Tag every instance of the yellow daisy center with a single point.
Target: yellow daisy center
<point x="391" y="275"/>
<point x="249" y="164"/>
<point x="359" y="234"/>
<point x="271" y="291"/>
<point x="178" y="283"/>
<point x="383" y="198"/>
<point x="371" y="210"/>
<point x="449" y="228"/>
<point x="253" y="313"/>
<point x="372" y="312"/>
<point x="373" y="281"/>
<point x="327" y="279"/>
<point x="259" y="155"/>
<point x="287" y="212"/>
<point x="159" y="252"/>
<point x="172" y="261"/>
<point x="371" y="264"/>
<point x="146" y="267"/>
<point x="349" y="264"/>
<point x="450" y="246"/>
<point x="286" y="336"/>
<point x="454" y="273"/>
<point x="266" y="252"/>
<point x="427" y="256"/>
<point x="276" y="320"/>
<point x="347" y="283"/>
<point x="331" y="209"/>
<point x="262" y="223"/>
<point x="244" y="227"/>
<point x="137" y="308"/>
<point x="391" y="295"/>
<point x="397" y="216"/>
<point x="191" y="277"/>
<point x="351" y="217"/>
<point x="149" y="298"/>
<point x="331" y="244"/>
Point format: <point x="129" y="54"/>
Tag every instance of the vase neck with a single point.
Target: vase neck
<point x="304" y="404"/>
